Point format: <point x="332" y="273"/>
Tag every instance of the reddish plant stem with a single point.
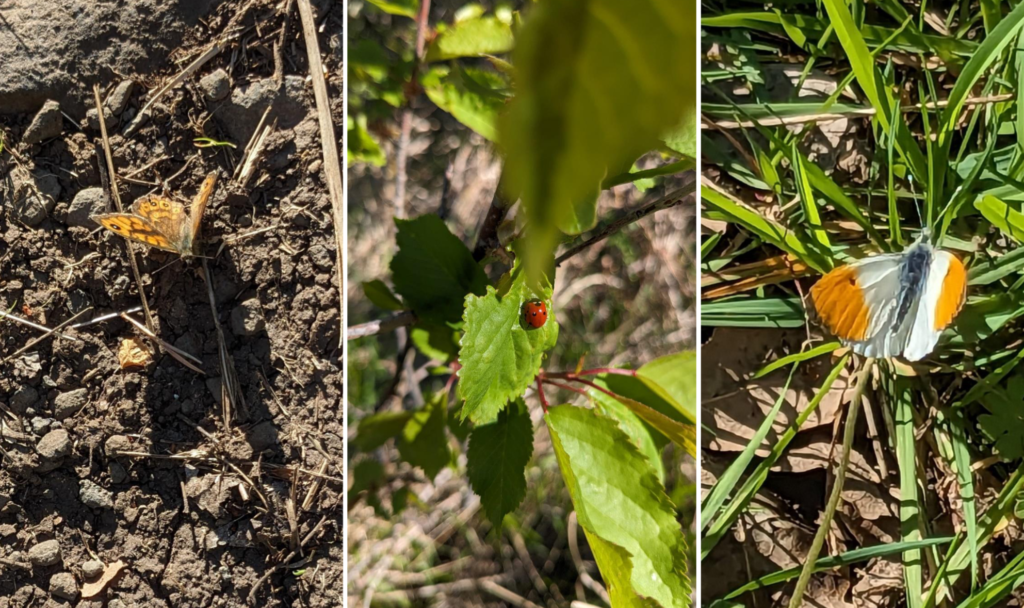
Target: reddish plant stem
<point x="543" y="399"/>
<point x="594" y="372"/>
<point x="567" y="387"/>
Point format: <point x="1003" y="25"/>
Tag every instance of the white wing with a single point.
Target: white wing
<point x="923" y="336"/>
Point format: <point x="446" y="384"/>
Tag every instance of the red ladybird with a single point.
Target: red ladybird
<point x="535" y="313"/>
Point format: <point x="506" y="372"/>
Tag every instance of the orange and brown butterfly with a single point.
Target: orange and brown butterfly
<point x="159" y="222"/>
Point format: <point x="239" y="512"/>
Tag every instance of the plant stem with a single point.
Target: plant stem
<point x="837" y="487"/>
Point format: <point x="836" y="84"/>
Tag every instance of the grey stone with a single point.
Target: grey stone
<point x="46" y="553"/>
<point x="47" y="123"/>
<point x="242" y="112"/>
<point x="92" y="495"/>
<point x="54" y="445"/>
<point x="215" y="85"/>
<point x="41" y="426"/>
<point x="262" y="436"/>
<point x="92" y="568"/>
<point x="247" y="318"/>
<point x="63" y="585"/>
<point x="118" y="99"/>
<point x="24" y="398"/>
<point x="67" y="404"/>
<point x="88" y="202"/>
<point x="49" y="186"/>
<point x="93" y="122"/>
<point x="117" y="472"/>
<point x="116" y="603"/>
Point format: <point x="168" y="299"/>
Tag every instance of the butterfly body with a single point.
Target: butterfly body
<point x="160" y="222"/>
<point x="894" y="304"/>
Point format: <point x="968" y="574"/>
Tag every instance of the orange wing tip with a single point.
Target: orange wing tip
<point x="952" y="294"/>
<point x="840" y="304"/>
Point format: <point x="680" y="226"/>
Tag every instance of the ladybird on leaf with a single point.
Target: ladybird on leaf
<point x="535" y="313"/>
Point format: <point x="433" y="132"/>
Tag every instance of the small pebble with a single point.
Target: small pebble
<point x="88" y="202"/>
<point x="215" y="85"/>
<point x="92" y="568"/>
<point x="46" y="553"/>
<point x="54" y="445"/>
<point x="41" y="426"/>
<point x="92" y="495"/>
<point x="120" y="96"/>
<point x="46" y="124"/>
<point x="67" y="404"/>
<point x="63" y="585"/>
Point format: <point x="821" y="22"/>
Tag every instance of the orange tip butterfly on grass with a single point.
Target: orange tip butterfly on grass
<point x="894" y="304"/>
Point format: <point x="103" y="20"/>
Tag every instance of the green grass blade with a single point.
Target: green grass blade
<point x="720" y="527"/>
<point x="724" y="486"/>
<point x="797" y="358"/>
<point x="910" y="509"/>
<point x="837" y="561"/>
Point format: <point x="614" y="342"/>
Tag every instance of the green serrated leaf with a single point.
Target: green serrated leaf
<point x="433" y="270"/>
<point x="591" y="98"/>
<point x="471" y="38"/>
<point x="424" y="442"/>
<point x="619" y="500"/>
<point x="374" y="430"/>
<point x="496" y="460"/>
<point x="500" y="354"/>
<point x="643" y="437"/>
<point x="380" y="294"/>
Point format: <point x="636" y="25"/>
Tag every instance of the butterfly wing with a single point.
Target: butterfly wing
<point x="135" y="228"/>
<point x="847" y="298"/>
<point x="199" y="205"/>
<point x="168" y="218"/>
<point x="941" y="300"/>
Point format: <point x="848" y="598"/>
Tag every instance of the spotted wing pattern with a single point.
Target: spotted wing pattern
<point x="160" y="222"/>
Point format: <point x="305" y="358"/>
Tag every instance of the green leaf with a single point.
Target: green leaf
<point x="405" y="8"/>
<point x="471" y="38"/>
<point x="435" y="341"/>
<point x="472" y="96"/>
<point x="381" y="296"/>
<point x="374" y="430"/>
<point x="1005" y="218"/>
<point x="433" y="270"/>
<point x="582" y="215"/>
<point x="500" y="354"/>
<point x="683" y="138"/>
<point x="362" y="147"/>
<point x="496" y="460"/>
<point x="620" y="502"/>
<point x="424" y="442"/>
<point x="642" y="435"/>
<point x="1005" y="425"/>
<point x="366" y="475"/>
<point x="674" y="378"/>
<point x="591" y="98"/>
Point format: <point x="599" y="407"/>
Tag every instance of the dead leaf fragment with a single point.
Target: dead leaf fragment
<point x="133" y="353"/>
<point x="93" y="589"/>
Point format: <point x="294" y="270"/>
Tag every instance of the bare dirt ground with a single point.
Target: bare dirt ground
<point x="100" y="465"/>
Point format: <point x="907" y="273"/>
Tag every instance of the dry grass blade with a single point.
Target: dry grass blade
<point x="212" y="52"/>
<point x="17" y="319"/>
<point x="231" y="392"/>
<point x="177" y="353"/>
<point x="332" y="162"/>
<point x="44" y="336"/>
<point x="120" y="208"/>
